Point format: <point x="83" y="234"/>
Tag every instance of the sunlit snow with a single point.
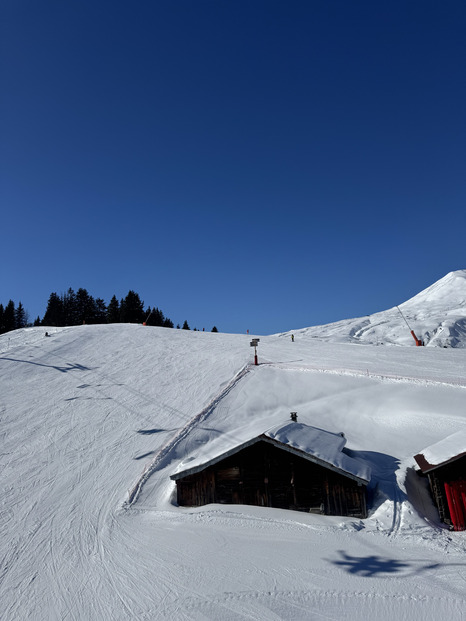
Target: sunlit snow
<point x="96" y="419"/>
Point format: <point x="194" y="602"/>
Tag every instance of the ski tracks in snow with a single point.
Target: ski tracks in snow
<point x="164" y="453"/>
<point x="397" y="511"/>
<point x="308" y="603"/>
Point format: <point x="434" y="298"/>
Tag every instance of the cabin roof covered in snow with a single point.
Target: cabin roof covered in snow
<point x="441" y="453"/>
<point x="316" y="445"/>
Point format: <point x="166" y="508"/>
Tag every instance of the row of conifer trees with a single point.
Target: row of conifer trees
<point x="12" y="317"/>
<point x="75" y="308"/>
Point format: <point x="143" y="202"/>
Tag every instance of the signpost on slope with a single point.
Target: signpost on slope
<point x="254" y="344"/>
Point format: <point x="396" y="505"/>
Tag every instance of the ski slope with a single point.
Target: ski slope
<point x="95" y="419"/>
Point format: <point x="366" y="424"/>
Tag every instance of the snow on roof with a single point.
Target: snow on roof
<point x="317" y="445"/>
<point x="449" y="449"/>
<point x="322" y="446"/>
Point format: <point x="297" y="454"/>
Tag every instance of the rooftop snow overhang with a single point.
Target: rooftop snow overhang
<point x="355" y="470"/>
<point x="441" y="453"/>
<point x="426" y="467"/>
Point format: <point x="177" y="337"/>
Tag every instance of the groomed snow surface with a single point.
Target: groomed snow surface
<point x="95" y="419"/>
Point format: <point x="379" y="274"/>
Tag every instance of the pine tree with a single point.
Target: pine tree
<point x="2" y="312"/>
<point x="70" y="311"/>
<point x="214" y="329"/>
<point x="159" y="317"/>
<point x="100" y="311"/>
<point x="85" y="307"/>
<point x="132" y="308"/>
<point x="186" y="326"/>
<point x="113" y="311"/>
<point x="21" y="318"/>
<point x="155" y="317"/>
<point x="54" y="315"/>
<point x="9" y="319"/>
<point x="9" y="316"/>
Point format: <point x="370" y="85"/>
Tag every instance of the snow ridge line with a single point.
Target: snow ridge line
<point x="387" y="377"/>
<point x="134" y="492"/>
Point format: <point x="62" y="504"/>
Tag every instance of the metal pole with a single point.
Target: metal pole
<point x="404" y="319"/>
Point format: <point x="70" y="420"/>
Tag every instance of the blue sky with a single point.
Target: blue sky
<point x="252" y="164"/>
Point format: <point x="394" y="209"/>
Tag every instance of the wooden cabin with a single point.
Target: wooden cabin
<point x="291" y="466"/>
<point x="444" y="463"/>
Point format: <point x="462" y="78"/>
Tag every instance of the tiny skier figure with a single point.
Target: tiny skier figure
<point x="292" y="338"/>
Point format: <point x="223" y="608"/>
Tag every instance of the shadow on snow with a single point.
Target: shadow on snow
<point x="64" y="369"/>
<point x="369" y="566"/>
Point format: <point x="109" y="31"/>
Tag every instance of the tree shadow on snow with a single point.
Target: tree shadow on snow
<point x="89" y="399"/>
<point x="64" y="369"/>
<point x="148" y="432"/>
<point x="369" y="565"/>
<point x="145" y="455"/>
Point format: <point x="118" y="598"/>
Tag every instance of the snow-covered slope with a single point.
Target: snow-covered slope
<point x="95" y="420"/>
<point x="437" y="315"/>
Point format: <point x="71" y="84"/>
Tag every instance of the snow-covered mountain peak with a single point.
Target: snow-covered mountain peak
<point x="437" y="315"/>
<point x="447" y="294"/>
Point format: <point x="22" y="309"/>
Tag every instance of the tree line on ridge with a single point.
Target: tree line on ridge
<point x="75" y="308"/>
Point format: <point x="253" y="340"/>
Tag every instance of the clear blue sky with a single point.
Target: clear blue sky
<point x="249" y="164"/>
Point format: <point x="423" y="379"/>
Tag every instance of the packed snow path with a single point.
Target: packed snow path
<point x="85" y="412"/>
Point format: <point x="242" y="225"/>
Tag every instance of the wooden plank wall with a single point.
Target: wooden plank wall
<point x="265" y="475"/>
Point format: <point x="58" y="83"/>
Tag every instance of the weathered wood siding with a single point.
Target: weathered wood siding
<point x="268" y="476"/>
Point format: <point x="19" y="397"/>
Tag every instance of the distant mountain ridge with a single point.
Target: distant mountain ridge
<point x="437" y="315"/>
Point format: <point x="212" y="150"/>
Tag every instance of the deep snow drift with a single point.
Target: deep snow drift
<point x="95" y="420"/>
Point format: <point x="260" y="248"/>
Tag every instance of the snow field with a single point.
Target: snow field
<point x="88" y="412"/>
